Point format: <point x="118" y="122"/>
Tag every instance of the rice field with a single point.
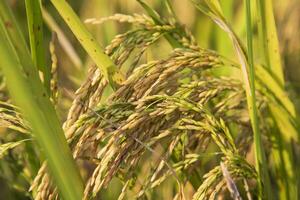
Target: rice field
<point x="149" y="99"/>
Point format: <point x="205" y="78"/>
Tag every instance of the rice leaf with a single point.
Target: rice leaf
<point x="62" y="38"/>
<point x="268" y="38"/>
<point x="35" y="28"/>
<point x="41" y="115"/>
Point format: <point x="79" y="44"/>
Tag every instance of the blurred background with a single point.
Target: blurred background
<point x="73" y="63"/>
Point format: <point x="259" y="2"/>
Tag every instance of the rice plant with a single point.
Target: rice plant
<point x="145" y="103"/>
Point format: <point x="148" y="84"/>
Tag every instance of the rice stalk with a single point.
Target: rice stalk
<point x="105" y="64"/>
<point x="259" y="151"/>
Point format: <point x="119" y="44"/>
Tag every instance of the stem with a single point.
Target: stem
<point x="35" y="29"/>
<point x="261" y="165"/>
<point x="109" y="70"/>
<point x="18" y="42"/>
